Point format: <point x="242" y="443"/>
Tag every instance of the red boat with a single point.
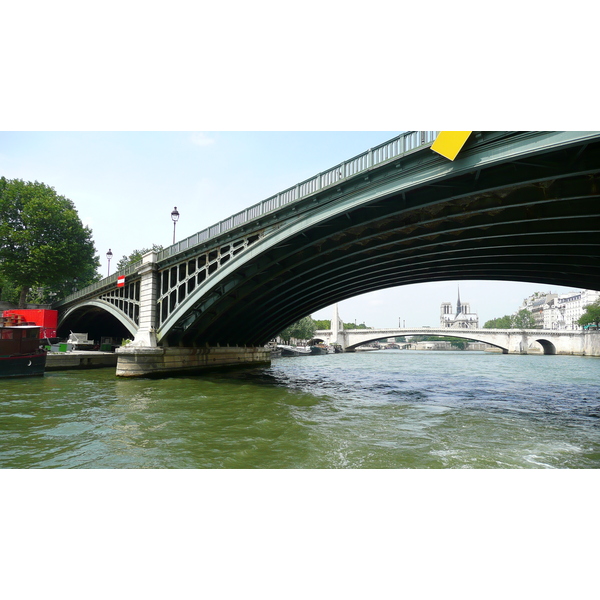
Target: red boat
<point x="20" y="352"/>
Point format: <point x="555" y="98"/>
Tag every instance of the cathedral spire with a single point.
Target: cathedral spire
<point x="458" y="305"/>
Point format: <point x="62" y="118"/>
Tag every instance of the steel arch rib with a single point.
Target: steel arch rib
<point x="106" y="306"/>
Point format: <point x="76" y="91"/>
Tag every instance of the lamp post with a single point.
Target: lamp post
<point x="175" y="217"/>
<point x="109" y="255"/>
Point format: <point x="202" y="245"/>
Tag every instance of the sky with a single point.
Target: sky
<point x="125" y="184"/>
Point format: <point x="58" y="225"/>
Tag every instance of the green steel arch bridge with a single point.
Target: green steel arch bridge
<point x="518" y="206"/>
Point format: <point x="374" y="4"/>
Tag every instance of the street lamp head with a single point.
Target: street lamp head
<point x="175" y="215"/>
<point x="109" y="255"/>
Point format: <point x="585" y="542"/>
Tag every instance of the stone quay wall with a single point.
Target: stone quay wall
<point x="591" y="343"/>
<point x="159" y="361"/>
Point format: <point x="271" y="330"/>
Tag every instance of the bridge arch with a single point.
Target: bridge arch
<point x="499" y="221"/>
<point x="98" y="318"/>
<point x="548" y="347"/>
<point x="239" y="271"/>
<point x="453" y="334"/>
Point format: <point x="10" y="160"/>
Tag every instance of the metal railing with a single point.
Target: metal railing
<point x="103" y="283"/>
<point x="399" y="146"/>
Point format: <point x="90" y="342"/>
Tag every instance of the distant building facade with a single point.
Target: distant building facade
<point x="550" y="311"/>
<point x="462" y="318"/>
<point x="536" y="304"/>
<point x="564" y="310"/>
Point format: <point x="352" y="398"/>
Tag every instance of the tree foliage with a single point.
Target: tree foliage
<point x="504" y="322"/>
<point x="591" y="316"/>
<point x="43" y="243"/>
<point x="304" y="329"/>
<point x="522" y="320"/>
<point x="323" y="324"/>
<point x="355" y="326"/>
<point x="8" y="291"/>
<point x="326" y="324"/>
<point x="136" y="256"/>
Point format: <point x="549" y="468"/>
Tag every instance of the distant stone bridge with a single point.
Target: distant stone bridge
<point x="510" y="341"/>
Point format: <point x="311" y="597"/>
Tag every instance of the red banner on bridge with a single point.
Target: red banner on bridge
<point x="121" y="281"/>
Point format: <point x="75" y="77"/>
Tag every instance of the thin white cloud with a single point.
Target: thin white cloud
<point x="201" y="139"/>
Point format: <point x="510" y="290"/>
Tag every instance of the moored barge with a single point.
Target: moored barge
<point x="20" y="352"/>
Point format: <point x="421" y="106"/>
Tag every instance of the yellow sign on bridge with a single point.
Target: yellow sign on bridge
<point x="449" y="143"/>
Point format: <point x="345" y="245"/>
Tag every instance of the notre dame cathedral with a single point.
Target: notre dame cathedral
<point x="463" y="318"/>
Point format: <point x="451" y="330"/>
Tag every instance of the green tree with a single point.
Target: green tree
<point x="355" y="326"/>
<point x="504" y="322"/>
<point x="136" y="256"/>
<point x="43" y="243"/>
<point x="323" y="324"/>
<point x="523" y="320"/>
<point x="304" y="329"/>
<point x="8" y="291"/>
<point x="591" y="315"/>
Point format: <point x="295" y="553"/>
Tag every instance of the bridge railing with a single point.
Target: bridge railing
<point x="399" y="146"/>
<point x="103" y="283"/>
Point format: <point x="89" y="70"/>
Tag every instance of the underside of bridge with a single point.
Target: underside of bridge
<point x="548" y="347"/>
<point x="531" y="220"/>
<point x="94" y="321"/>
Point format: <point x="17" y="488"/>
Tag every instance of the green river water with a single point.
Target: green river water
<point x="372" y="410"/>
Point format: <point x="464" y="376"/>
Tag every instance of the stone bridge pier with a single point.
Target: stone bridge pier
<point x="144" y="357"/>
